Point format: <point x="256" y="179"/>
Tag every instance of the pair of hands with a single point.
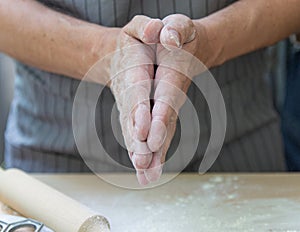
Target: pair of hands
<point x="148" y="129"/>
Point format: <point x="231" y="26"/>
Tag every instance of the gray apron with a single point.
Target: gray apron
<point x="39" y="133"/>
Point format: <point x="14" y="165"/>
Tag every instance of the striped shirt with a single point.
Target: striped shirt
<point x="39" y="132"/>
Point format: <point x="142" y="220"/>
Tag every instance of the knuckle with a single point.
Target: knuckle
<point x="139" y="18"/>
<point x="136" y="18"/>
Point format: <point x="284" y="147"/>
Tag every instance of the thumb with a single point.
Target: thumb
<point x="145" y="29"/>
<point x="178" y="30"/>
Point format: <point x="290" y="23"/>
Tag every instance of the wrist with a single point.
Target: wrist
<point x="211" y="45"/>
<point x="101" y="43"/>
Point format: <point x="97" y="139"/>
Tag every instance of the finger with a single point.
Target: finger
<point x="169" y="96"/>
<point x="154" y="170"/>
<point x="142" y="121"/>
<point x="136" y="103"/>
<point x="157" y="131"/>
<point x="142" y="156"/>
<point x="141" y="178"/>
<point x="145" y="29"/>
<point x="178" y="29"/>
<point x="153" y="173"/>
<point x="129" y="101"/>
<point x="139" y="153"/>
<point x="141" y="161"/>
<point x="135" y="85"/>
<point x="139" y="108"/>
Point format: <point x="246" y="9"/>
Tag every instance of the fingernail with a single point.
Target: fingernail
<point x="175" y="37"/>
<point x="192" y="37"/>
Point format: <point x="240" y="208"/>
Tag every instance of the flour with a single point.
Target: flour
<point x="197" y="204"/>
<point x="4" y="209"/>
<point x="213" y="206"/>
<point x="95" y="224"/>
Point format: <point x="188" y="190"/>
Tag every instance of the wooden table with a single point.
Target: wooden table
<point x="209" y="203"/>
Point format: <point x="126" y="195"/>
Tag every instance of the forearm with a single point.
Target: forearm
<point x="41" y="37"/>
<point x="248" y="25"/>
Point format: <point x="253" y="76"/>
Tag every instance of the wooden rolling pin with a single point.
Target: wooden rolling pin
<point x="40" y="202"/>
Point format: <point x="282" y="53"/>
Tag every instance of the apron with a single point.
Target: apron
<point x="39" y="136"/>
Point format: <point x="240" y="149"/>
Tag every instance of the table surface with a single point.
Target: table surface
<point x="190" y="202"/>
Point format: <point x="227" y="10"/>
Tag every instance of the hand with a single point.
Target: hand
<point x="179" y="33"/>
<point x="132" y="72"/>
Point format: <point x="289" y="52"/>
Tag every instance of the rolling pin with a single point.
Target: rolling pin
<point x="40" y="202"/>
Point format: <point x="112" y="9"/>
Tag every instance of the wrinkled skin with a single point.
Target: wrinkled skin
<point x="132" y="86"/>
<point x="147" y="133"/>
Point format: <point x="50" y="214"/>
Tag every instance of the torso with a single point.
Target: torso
<point x="41" y="122"/>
